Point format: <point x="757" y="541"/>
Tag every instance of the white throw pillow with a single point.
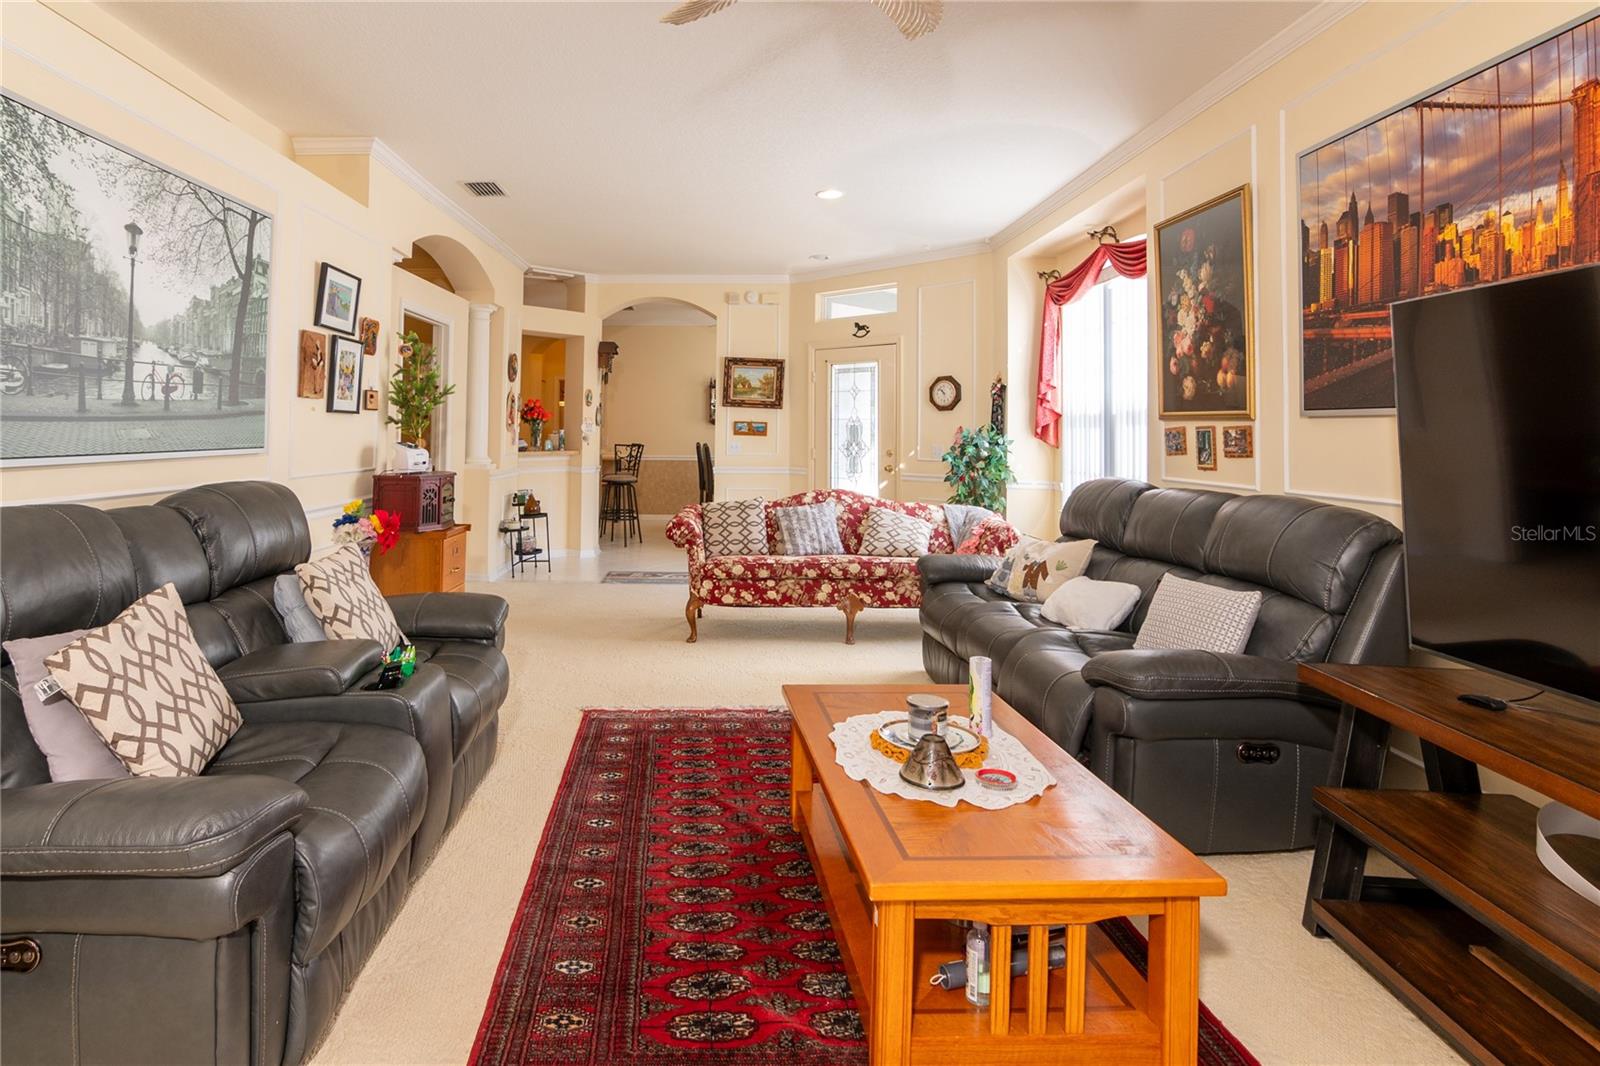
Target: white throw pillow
<point x="808" y="529"/>
<point x="1084" y="603"/>
<point x="1191" y="615"/>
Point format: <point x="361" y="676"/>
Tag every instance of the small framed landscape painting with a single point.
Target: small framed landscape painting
<point x="752" y="382"/>
<point x="1177" y="440"/>
<point x="344" y="376"/>
<point x="1205" y="447"/>
<point x="338" y="297"/>
<point x="1238" y="442"/>
<point x="742" y="428"/>
<point x="1202" y="270"/>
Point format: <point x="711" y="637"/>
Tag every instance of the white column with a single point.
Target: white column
<point x="478" y="382"/>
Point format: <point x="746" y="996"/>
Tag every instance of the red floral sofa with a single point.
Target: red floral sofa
<point x="849" y="582"/>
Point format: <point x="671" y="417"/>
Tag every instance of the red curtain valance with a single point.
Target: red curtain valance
<point x="1127" y="259"/>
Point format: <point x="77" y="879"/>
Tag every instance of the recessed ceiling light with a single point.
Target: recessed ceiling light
<point x="829" y="194"/>
<point x="820" y="258"/>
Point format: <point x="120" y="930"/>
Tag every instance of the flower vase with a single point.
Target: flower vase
<point x="536" y="432"/>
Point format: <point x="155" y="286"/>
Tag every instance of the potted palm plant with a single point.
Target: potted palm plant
<point x="415" y="390"/>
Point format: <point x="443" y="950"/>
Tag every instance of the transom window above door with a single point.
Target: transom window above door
<point x="859" y="303"/>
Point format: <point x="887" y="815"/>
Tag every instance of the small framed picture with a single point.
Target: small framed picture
<point x="1205" y="447"/>
<point x="752" y="383"/>
<point x="369" y="336"/>
<point x="369" y="399"/>
<point x="742" y="428"/>
<point x="1177" y="440"/>
<point x="1238" y="442"/>
<point x="338" y="298"/>
<point x="344" y="376"/>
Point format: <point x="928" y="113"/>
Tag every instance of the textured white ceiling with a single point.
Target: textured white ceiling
<point x="631" y="147"/>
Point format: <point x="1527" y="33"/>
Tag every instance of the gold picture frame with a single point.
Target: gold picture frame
<point x="1202" y="262"/>
<point x="1205" y="447"/>
<point x="752" y="382"/>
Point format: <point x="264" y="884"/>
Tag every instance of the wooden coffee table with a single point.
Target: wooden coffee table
<point x="894" y="871"/>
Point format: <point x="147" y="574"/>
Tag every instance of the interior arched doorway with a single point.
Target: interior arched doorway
<point x="658" y="393"/>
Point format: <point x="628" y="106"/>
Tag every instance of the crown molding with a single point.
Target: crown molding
<point x="1259" y="59"/>
<point x="377" y="150"/>
<point x="889" y="262"/>
<point x="689" y="279"/>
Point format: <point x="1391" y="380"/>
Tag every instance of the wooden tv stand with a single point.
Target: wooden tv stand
<point x="1499" y="957"/>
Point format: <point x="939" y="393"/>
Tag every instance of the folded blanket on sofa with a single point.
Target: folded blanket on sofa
<point x="963" y="518"/>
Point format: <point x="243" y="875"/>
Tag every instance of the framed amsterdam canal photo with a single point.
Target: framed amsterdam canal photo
<point x="133" y="303"/>
<point x="1495" y="176"/>
<point x="1202" y="267"/>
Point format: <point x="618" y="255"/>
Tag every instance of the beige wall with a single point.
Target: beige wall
<point x="1360" y="67"/>
<point x="943" y="324"/>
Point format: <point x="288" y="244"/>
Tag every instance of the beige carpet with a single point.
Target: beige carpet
<point x="575" y="643"/>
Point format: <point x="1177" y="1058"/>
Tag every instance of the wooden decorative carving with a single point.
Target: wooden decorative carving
<point x="313" y="364"/>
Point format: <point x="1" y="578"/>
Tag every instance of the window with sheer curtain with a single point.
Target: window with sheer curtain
<point x="1105" y="358"/>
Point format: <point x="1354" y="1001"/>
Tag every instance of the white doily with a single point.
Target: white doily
<point x="852" y="749"/>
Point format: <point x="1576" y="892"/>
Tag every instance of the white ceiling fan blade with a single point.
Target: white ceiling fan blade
<point x="694" y="11"/>
<point x="913" y="18"/>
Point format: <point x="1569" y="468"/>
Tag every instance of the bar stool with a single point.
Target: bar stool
<point x="619" y="493"/>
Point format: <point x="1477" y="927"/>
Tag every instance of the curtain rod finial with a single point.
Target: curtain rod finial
<point x="1105" y="235"/>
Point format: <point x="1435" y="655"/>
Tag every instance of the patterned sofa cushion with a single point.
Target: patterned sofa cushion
<point x="827" y="567"/>
<point x="890" y="533"/>
<point x="853" y="508"/>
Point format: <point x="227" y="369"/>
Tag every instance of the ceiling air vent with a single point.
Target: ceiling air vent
<point x="484" y="188"/>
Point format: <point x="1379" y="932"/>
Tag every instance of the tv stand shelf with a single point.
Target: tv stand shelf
<point x="1485" y="945"/>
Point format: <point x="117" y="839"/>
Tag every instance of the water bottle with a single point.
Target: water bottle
<point x="978" y="965"/>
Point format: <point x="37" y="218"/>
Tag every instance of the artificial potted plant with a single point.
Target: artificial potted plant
<point x="980" y="467"/>
<point x="415" y="391"/>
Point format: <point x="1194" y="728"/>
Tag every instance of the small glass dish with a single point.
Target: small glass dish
<point x="997" y="779"/>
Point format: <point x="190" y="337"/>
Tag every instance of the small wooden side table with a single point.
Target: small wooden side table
<point x="432" y="561"/>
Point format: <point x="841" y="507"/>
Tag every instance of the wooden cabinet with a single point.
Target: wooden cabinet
<point x="434" y="561"/>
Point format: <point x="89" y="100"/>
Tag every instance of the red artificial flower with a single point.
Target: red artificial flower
<point x="386" y="524"/>
<point x="534" y="411"/>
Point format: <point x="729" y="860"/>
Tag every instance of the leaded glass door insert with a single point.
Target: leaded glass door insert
<point x="857" y="415"/>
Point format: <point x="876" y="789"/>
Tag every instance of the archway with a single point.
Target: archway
<point x="658" y="393"/>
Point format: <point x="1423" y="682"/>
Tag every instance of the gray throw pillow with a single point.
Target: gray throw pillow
<point x="810" y="529"/>
<point x="289" y="597"/>
<point x="72" y="748"/>
<point x="1191" y="615"/>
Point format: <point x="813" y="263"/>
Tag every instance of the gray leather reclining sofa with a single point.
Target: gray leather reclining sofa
<point x="222" y="918"/>
<point x="1221" y="750"/>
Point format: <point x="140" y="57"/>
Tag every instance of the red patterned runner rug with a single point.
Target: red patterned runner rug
<point x="671" y="916"/>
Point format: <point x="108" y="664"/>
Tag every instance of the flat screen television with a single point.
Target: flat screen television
<point x="1497" y="389"/>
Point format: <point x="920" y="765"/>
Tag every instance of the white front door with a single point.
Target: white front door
<point x="856" y="420"/>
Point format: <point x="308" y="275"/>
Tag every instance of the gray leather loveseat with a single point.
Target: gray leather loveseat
<point x="222" y="918"/>
<point x="1221" y="750"/>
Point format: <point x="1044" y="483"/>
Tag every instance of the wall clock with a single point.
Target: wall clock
<point x="945" y="392"/>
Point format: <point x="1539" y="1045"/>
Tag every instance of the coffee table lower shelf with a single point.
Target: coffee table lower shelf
<point x="1116" y="1027"/>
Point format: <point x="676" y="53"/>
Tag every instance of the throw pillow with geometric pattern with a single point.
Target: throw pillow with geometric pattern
<point x="886" y="532"/>
<point x="145" y="686"/>
<point x="340" y="592"/>
<point x="808" y="529"/>
<point x="1194" y="616"/>
<point x="734" y="527"/>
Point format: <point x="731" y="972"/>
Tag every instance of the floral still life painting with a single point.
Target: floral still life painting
<point x="1203" y="269"/>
